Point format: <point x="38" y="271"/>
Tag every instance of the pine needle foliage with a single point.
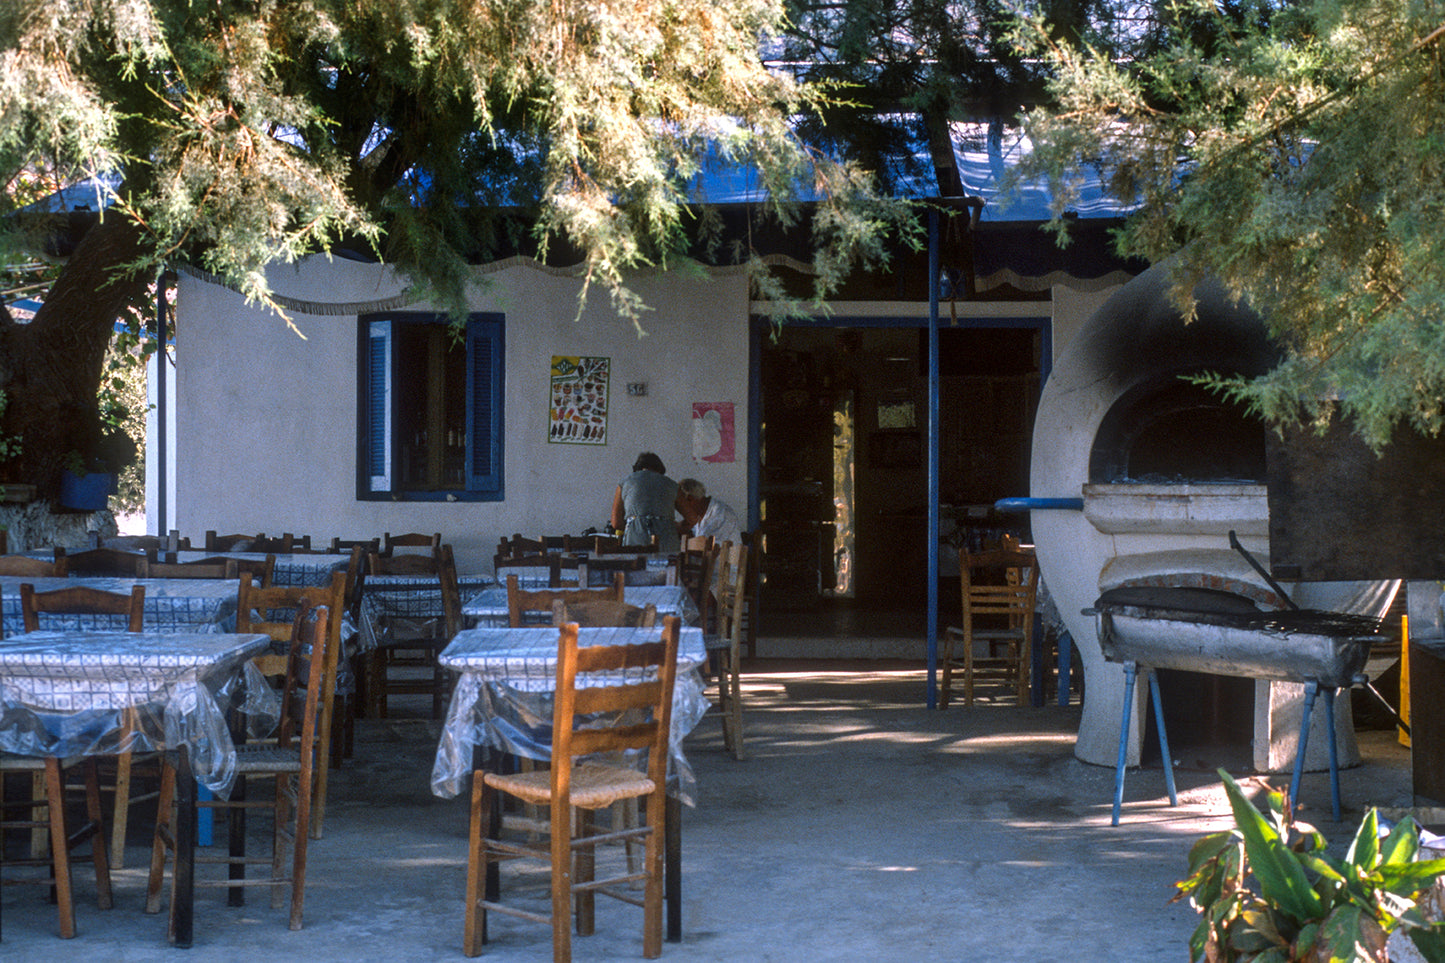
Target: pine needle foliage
<point x="251" y="133"/>
<point x="1294" y="152"/>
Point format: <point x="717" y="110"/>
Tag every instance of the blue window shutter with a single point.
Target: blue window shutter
<point x="484" y="409"/>
<point x="377" y="431"/>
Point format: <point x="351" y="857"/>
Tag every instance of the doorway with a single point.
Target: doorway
<point x="843" y="470"/>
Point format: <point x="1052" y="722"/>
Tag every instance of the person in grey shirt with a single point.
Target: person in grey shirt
<point x="644" y="504"/>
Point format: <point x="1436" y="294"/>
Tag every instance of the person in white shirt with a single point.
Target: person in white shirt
<point x="704" y="514"/>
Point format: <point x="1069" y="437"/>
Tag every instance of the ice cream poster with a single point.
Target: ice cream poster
<point x="713" y="434"/>
<point x="579" y="400"/>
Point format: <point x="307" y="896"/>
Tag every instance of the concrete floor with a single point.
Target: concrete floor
<point x="861" y="827"/>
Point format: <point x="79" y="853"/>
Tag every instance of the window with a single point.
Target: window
<point x="429" y="395"/>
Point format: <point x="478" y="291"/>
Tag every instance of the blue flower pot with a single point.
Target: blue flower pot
<point x="88" y="492"/>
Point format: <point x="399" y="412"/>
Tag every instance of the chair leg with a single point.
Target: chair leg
<point x="298" y="857"/>
<point x="562" y="870"/>
<point x="734" y="721"/>
<point x="59" y="848"/>
<point x="97" y="840"/>
<point x="945" y="658"/>
<point x="474" y="922"/>
<point x="164" y="838"/>
<point x="121" y="813"/>
<point x="652" y="892"/>
<point x="584" y="871"/>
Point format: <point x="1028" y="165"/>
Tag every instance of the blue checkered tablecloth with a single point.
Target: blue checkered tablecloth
<point x="171" y="604"/>
<point x="488" y="607"/>
<point x="98" y="693"/>
<point x="503" y="697"/>
<point x="306" y="568"/>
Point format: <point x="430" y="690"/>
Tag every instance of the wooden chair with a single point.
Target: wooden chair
<point x="534" y="607"/>
<point x="284" y="544"/>
<point x="591" y="544"/>
<point x="695" y="563"/>
<point x="105" y="562"/>
<point x="263" y="571"/>
<point x="390" y="543"/>
<point x="609" y="565"/>
<point x="342" y="546"/>
<point x="202" y="568"/>
<point x="999" y="588"/>
<point x="84" y="607"/>
<point x="41" y="809"/>
<point x="23" y="566"/>
<point x="725" y="648"/>
<point x="272" y="610"/>
<point x="570" y="786"/>
<point x="604" y="613"/>
<point x="750" y="601"/>
<point x="135" y="543"/>
<point x="290" y="763"/>
<point x="410" y="647"/>
<point x="238" y="542"/>
<point x="519" y="546"/>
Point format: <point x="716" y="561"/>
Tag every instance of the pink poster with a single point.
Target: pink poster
<point x="713" y="434"/>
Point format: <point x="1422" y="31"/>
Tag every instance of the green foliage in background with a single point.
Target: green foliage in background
<point x="1294" y="151"/>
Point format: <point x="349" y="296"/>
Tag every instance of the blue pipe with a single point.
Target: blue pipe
<point x="1034" y="504"/>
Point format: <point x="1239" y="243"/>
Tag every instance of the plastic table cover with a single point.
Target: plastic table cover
<point x="503" y="698"/>
<point x="102" y="693"/>
<point x="171" y="604"/>
<point x="489" y="606"/>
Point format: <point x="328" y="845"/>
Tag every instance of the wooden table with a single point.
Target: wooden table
<point x="145" y="691"/>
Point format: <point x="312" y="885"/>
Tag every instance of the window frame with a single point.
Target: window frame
<point x="485" y="394"/>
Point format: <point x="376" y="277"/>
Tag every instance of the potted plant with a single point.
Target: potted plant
<point x="1267" y="892"/>
<point x="88" y="481"/>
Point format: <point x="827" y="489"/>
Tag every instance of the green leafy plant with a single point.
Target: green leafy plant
<point x="9" y="444"/>
<point x="1267" y="892"/>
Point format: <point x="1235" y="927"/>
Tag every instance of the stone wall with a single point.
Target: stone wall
<point x="33" y="525"/>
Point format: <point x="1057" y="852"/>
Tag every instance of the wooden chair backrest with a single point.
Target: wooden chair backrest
<point x="81" y="600"/>
<point x="409" y="564"/>
<point x="109" y="562"/>
<point x="604" y="613"/>
<point x="27" y="567"/>
<point x="534" y="607"/>
<point x="201" y="568"/>
<point x="695" y="564"/>
<point x="311" y="634"/>
<point x="520" y="545"/>
<point x="641" y="706"/>
<point x="283" y="544"/>
<point x="390" y="543"/>
<point x="272" y="610"/>
<point x="732" y="589"/>
<point x="442" y="564"/>
<point x="238" y="542"/>
<point x="1000" y="581"/>
<point x="262" y="570"/>
<point x="342" y="546"/>
<point x="134" y="543"/>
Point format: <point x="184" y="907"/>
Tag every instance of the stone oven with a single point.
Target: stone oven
<point x="1166" y="470"/>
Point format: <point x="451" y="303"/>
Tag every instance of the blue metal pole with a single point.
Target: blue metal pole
<point x="933" y="260"/>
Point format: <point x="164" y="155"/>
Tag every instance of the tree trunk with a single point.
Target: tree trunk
<point x="50" y="369"/>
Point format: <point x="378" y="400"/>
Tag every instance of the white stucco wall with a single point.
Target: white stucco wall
<point x="266" y="417"/>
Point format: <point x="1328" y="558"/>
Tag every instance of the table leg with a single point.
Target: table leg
<point x="183" y="895"/>
<point x="672" y="868"/>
